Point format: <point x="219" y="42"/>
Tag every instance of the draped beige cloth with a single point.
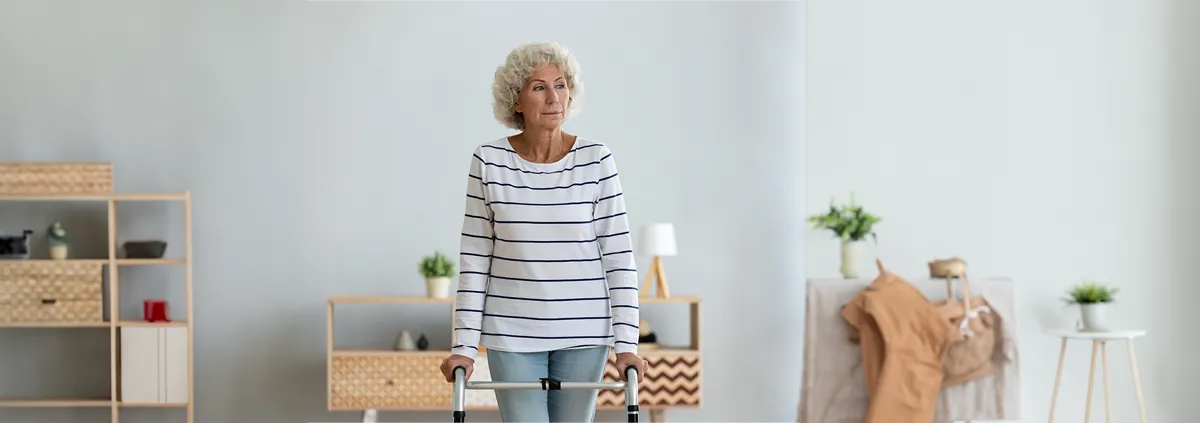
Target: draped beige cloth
<point x="833" y="385"/>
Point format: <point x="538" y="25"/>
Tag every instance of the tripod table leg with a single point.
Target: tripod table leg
<point x="1137" y="383"/>
<point x="1062" y="356"/>
<point x="1087" y="413"/>
<point x="1104" y="367"/>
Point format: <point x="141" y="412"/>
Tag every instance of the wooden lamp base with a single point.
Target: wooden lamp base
<point x="657" y="273"/>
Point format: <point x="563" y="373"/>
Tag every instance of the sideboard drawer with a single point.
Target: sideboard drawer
<point x="46" y="291"/>
<point x="386" y="380"/>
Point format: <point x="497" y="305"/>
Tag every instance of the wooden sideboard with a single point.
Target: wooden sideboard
<point x="367" y="381"/>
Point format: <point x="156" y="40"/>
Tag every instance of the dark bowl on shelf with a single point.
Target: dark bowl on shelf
<point x="145" y="249"/>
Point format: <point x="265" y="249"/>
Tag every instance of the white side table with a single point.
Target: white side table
<point x="1099" y="342"/>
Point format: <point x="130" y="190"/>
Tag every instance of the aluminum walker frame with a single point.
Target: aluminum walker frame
<point x="630" y="386"/>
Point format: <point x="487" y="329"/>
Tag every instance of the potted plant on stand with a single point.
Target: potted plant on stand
<point x="851" y="225"/>
<point x="437" y="270"/>
<point x="1094" y="301"/>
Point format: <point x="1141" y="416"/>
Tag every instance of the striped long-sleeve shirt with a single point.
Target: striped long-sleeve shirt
<point x="546" y="258"/>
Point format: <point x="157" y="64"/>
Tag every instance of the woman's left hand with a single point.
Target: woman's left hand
<point x="624" y="360"/>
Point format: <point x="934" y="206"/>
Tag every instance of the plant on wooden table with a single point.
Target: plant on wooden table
<point x="437" y="270"/>
<point x="852" y="225"/>
<point x="1093" y="300"/>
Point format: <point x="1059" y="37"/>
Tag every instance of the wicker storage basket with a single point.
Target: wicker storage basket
<point x="56" y="178"/>
<point x="388" y="381"/>
<point x="51" y="292"/>
<point x="670" y="380"/>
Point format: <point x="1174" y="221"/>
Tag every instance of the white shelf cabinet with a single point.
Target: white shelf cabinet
<point x="154" y="365"/>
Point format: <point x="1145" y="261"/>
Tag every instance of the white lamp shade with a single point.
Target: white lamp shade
<point x="658" y="239"/>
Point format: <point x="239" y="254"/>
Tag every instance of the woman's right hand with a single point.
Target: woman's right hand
<point x="454" y="361"/>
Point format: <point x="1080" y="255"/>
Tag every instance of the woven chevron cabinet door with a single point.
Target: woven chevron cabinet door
<point x="672" y="380"/>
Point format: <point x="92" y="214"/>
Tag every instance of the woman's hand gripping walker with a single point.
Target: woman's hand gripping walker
<point x="461" y="385"/>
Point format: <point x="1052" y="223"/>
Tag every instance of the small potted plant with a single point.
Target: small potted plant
<point x="851" y="225"/>
<point x="437" y="270"/>
<point x="1094" y="300"/>
<point x="56" y="239"/>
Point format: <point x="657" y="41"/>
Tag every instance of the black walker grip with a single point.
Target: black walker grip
<point x="550" y="384"/>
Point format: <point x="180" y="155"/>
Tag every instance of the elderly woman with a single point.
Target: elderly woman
<point x="547" y="283"/>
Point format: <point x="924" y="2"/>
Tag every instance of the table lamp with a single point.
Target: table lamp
<point x="658" y="240"/>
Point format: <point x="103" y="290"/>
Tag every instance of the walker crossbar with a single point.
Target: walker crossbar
<point x="545" y="384"/>
<point x="544" y="387"/>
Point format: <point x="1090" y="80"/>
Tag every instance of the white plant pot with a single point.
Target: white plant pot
<point x="852" y="257"/>
<point x="58" y="251"/>
<point x="1094" y="317"/>
<point x="438" y="287"/>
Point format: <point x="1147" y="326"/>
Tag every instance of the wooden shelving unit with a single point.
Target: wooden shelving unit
<point x="41" y="173"/>
<point x="387" y="380"/>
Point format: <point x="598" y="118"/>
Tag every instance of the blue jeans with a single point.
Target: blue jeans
<point x="536" y="405"/>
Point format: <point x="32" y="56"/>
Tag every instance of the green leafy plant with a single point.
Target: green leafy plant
<point x="55" y="234"/>
<point x="437" y="265"/>
<point x="1090" y="292"/>
<point x="848" y="222"/>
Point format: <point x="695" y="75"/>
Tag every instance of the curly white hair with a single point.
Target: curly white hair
<point x="518" y="66"/>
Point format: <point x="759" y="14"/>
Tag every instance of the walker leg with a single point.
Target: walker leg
<point x="458" y="397"/>
<point x="370" y="416"/>
<point x="632" y="407"/>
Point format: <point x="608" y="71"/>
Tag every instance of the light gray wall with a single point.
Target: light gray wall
<point x="1047" y="141"/>
<point x="326" y="146"/>
<point x="1180" y="370"/>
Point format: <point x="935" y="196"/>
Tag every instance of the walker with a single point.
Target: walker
<point x="545" y="384"/>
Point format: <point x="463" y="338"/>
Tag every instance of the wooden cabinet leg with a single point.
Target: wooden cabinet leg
<point x="658" y="415"/>
<point x="370" y="416"/>
<point x="1062" y="356"/>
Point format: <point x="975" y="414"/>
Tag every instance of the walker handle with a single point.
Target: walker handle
<point x="631" y="393"/>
